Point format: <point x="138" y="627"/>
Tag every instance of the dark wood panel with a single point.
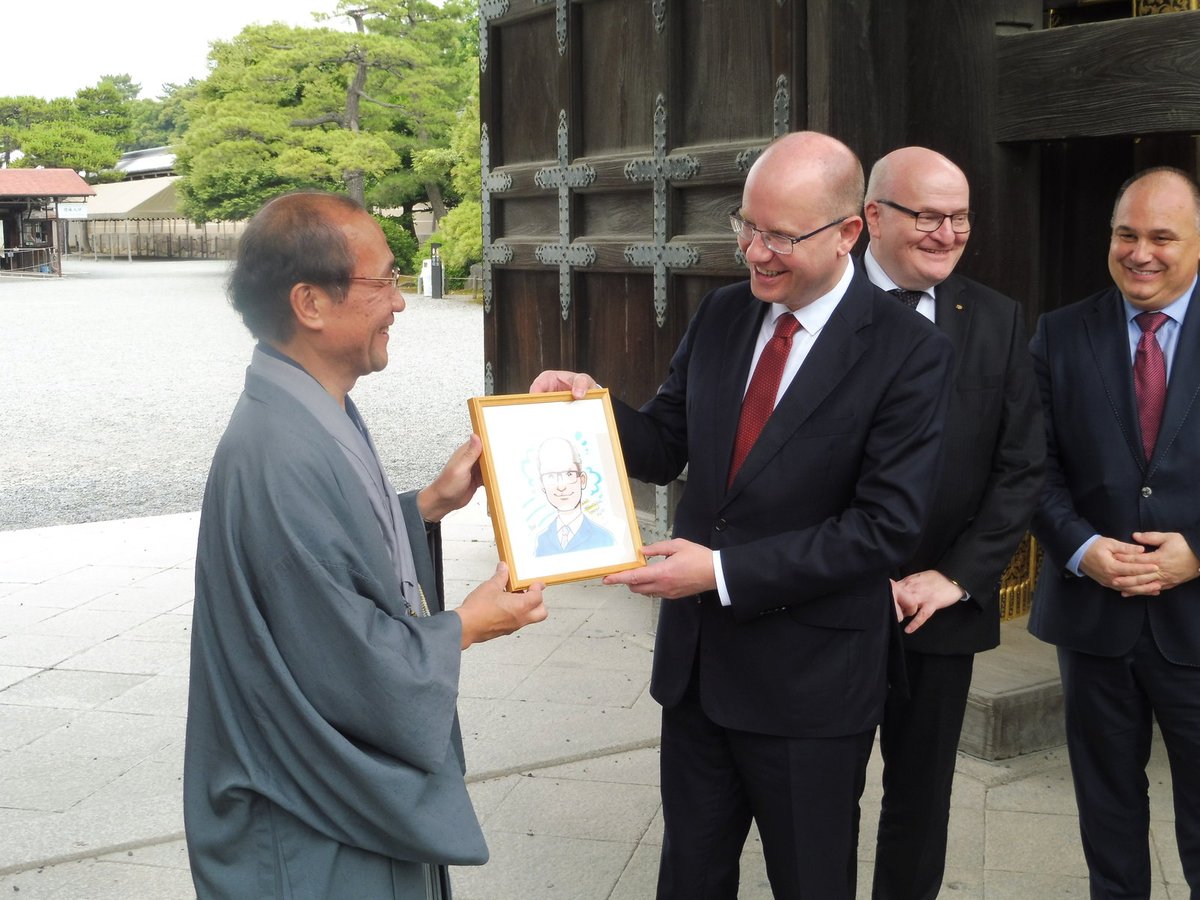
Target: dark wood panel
<point x="608" y="214"/>
<point x="527" y="328"/>
<point x="951" y="109"/>
<point x="1107" y="78"/>
<point x="724" y="80"/>
<point x="524" y="118"/>
<point x="621" y="59"/>
<point x="705" y="209"/>
<point x="1079" y="184"/>
<point x="716" y="164"/>
<point x="525" y="216"/>
<point x="616" y="333"/>
<point x="716" y="254"/>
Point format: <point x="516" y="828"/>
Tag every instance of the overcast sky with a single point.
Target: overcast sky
<point x="52" y="48"/>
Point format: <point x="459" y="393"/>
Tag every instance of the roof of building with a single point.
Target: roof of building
<point x="148" y="198"/>
<point x="43" y="183"/>
<point x="151" y="161"/>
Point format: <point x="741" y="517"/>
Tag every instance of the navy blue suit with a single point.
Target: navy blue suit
<point x="831" y="498"/>
<point x="1122" y="658"/>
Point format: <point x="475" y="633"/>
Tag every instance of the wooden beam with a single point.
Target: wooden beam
<point x="1130" y="76"/>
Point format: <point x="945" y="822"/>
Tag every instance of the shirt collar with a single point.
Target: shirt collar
<point x="881" y="279"/>
<point x="813" y="316"/>
<point x="1176" y="309"/>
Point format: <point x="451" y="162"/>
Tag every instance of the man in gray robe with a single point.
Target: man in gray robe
<point x="323" y="756"/>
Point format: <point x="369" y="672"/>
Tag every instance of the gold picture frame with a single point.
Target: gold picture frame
<point x="557" y="491"/>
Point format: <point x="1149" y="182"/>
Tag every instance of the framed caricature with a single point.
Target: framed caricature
<point x="557" y="491"/>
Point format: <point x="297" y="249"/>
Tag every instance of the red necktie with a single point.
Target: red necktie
<point x="759" y="401"/>
<point x="1149" y="378"/>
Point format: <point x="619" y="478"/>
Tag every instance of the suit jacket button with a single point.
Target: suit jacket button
<point x="720" y="526"/>
<point x="1146" y="492"/>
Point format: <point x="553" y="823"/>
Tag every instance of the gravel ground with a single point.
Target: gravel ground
<point x="119" y="379"/>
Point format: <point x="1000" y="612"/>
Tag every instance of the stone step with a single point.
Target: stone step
<point x="1015" y="704"/>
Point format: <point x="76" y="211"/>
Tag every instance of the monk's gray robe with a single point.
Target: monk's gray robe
<point x="323" y="755"/>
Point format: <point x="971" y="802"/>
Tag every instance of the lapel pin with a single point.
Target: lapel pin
<point x="958" y="306"/>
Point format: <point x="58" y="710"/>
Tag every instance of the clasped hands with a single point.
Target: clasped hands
<point x="1157" y="562"/>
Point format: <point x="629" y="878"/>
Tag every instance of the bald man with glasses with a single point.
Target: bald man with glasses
<point x="808" y="408"/>
<point x="919" y="220"/>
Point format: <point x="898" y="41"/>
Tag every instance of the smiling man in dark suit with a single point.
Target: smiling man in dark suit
<point x="808" y="407"/>
<point x="919" y="219"/>
<point x="1119" y="520"/>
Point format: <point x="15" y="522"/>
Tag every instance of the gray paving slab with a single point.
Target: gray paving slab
<point x="561" y="739"/>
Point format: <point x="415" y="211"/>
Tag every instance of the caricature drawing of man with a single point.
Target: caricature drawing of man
<point x="563" y="480"/>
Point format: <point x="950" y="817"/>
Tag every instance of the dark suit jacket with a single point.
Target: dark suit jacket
<point x="1097" y="481"/>
<point x="831" y="498"/>
<point x="993" y="464"/>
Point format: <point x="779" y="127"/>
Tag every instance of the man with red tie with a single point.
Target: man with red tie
<point x="1119" y="520"/>
<point x="808" y="407"/>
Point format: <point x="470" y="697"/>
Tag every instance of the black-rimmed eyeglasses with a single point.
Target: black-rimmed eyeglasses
<point x="392" y="280"/>
<point x="560" y="479"/>
<point x="960" y="223"/>
<point x="777" y="243"/>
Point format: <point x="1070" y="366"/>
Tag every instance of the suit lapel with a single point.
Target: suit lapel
<point x="1108" y="337"/>
<point x="1183" y="388"/>
<point x="834" y="353"/>
<point x="954" y="313"/>
<point x="739" y="350"/>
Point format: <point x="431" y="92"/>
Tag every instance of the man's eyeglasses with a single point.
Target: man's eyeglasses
<point x="393" y="280"/>
<point x="931" y="221"/>
<point x="567" y="476"/>
<point x="780" y="244"/>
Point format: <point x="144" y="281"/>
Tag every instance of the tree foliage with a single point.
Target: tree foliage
<point x="67" y="145"/>
<point x="384" y="110"/>
<point x="162" y="122"/>
<point x="288" y="108"/>
<point x="461" y="231"/>
<point x="87" y="133"/>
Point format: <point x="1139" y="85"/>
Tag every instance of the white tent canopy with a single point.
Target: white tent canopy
<point x="149" y="198"/>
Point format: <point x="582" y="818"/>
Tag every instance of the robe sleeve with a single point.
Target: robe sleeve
<point x="313" y="688"/>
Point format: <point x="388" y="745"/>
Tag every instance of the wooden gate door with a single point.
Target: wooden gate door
<point x="616" y="136"/>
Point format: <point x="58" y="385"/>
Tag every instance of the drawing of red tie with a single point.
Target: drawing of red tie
<point x="1149" y="378"/>
<point x="759" y="401"/>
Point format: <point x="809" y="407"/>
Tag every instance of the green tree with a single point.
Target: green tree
<point x="105" y="108"/>
<point x="460" y="232"/>
<point x="66" y="145"/>
<point x="403" y="243"/>
<point x="162" y="122"/>
<point x="16" y="115"/>
<point x="288" y="108"/>
<point x="86" y="133"/>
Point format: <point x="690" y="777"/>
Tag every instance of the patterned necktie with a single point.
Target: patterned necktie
<point x="908" y="298"/>
<point x="759" y="401"/>
<point x="1149" y="378"/>
<point x="564" y="536"/>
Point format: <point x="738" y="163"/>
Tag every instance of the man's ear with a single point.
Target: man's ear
<point x="871" y="214"/>
<point x="308" y="305"/>
<point x="848" y="233"/>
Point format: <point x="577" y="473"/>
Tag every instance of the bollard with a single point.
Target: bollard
<point x="435" y="271"/>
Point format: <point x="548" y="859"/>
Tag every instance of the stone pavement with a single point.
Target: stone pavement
<point x="561" y="739"/>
